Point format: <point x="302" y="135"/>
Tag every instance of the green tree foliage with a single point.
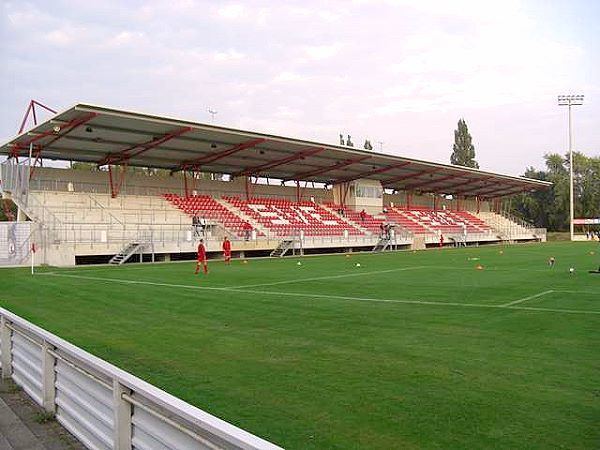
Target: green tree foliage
<point x="550" y="208"/>
<point x="89" y="167"/>
<point x="8" y="210"/>
<point x="147" y="171"/>
<point x="463" y="150"/>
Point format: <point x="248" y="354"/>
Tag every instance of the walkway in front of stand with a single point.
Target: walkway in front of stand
<point x="21" y="426"/>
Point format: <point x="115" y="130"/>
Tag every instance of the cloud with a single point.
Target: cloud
<point x="289" y="77"/>
<point x="320" y="52"/>
<point x="59" y="37"/>
<point x="398" y="71"/>
<point x="228" y="55"/>
<point x="231" y="11"/>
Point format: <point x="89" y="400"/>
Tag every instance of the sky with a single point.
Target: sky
<point x="398" y="72"/>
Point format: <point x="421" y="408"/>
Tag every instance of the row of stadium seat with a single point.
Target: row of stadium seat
<point x="422" y="220"/>
<point x="286" y="217"/>
<point x="369" y="223"/>
<point x="207" y="207"/>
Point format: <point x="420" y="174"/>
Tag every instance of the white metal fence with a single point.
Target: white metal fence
<point x="15" y="178"/>
<point x="15" y="242"/>
<point x="103" y="406"/>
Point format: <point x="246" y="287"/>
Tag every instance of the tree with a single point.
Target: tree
<point x="550" y="208"/>
<point x="84" y="166"/>
<point x="463" y="151"/>
<point x="8" y="210"/>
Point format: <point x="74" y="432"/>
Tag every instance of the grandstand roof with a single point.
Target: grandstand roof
<point x="103" y="136"/>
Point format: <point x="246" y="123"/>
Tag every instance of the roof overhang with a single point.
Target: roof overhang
<point x="100" y="135"/>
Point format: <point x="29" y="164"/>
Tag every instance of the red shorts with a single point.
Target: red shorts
<point x="227" y="254"/>
<point x="201" y="259"/>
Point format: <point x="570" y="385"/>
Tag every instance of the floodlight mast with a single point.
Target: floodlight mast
<point x="571" y="100"/>
<point x="213" y="113"/>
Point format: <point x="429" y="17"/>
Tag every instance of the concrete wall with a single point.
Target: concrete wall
<point x="97" y="182"/>
<point x="401" y="199"/>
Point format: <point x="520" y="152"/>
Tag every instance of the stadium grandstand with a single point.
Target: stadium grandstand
<point x="271" y="195"/>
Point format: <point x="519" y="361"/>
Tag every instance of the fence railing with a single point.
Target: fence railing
<point x="103" y="406"/>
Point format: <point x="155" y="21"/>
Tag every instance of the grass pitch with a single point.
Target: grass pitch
<point x="409" y="350"/>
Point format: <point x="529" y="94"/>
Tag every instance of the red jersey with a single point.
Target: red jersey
<point x="201" y="252"/>
<point x="227" y="246"/>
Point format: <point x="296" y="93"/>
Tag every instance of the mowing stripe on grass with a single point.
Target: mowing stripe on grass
<point x="531" y="297"/>
<point x="119" y="280"/>
<point x="331" y="297"/>
<point x="330" y="277"/>
<point x="562" y="291"/>
<point x="422" y="302"/>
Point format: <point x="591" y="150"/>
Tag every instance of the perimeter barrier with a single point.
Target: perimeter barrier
<point x="103" y="406"/>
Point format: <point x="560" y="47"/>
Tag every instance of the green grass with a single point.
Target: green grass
<point x="350" y="362"/>
<point x="558" y="236"/>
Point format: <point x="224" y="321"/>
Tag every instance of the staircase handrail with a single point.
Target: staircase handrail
<point x="35" y="217"/>
<point x="518" y="220"/>
<point x="104" y="209"/>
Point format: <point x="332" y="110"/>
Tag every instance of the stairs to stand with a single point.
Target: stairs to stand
<point x="382" y="244"/>
<point x="127" y="252"/>
<point x="283" y="247"/>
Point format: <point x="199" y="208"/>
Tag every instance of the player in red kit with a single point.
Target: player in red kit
<point x="201" y="257"/>
<point x="227" y="250"/>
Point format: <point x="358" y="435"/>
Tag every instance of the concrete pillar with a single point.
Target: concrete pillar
<point x="122" y="414"/>
<point x="48" y="378"/>
<point x="6" y="347"/>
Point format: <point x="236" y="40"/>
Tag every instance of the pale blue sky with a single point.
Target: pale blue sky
<point x="397" y="71"/>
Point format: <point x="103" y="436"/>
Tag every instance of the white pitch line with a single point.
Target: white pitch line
<point x="330" y="277"/>
<point x="118" y="280"/>
<point x="332" y="297"/>
<point x="531" y="297"/>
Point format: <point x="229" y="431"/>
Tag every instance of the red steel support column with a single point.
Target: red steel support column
<point x="115" y="185"/>
<point x="33" y="166"/>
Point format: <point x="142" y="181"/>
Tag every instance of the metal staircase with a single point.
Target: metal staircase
<point x="382" y="244"/>
<point x="127" y="252"/>
<point x="283" y="247"/>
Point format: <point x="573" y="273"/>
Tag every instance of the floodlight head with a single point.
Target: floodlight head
<point x="570" y="100"/>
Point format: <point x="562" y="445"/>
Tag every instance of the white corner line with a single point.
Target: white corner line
<point x="531" y="297"/>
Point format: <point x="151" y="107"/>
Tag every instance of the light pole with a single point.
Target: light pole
<point x="213" y="113"/>
<point x="570" y="100"/>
